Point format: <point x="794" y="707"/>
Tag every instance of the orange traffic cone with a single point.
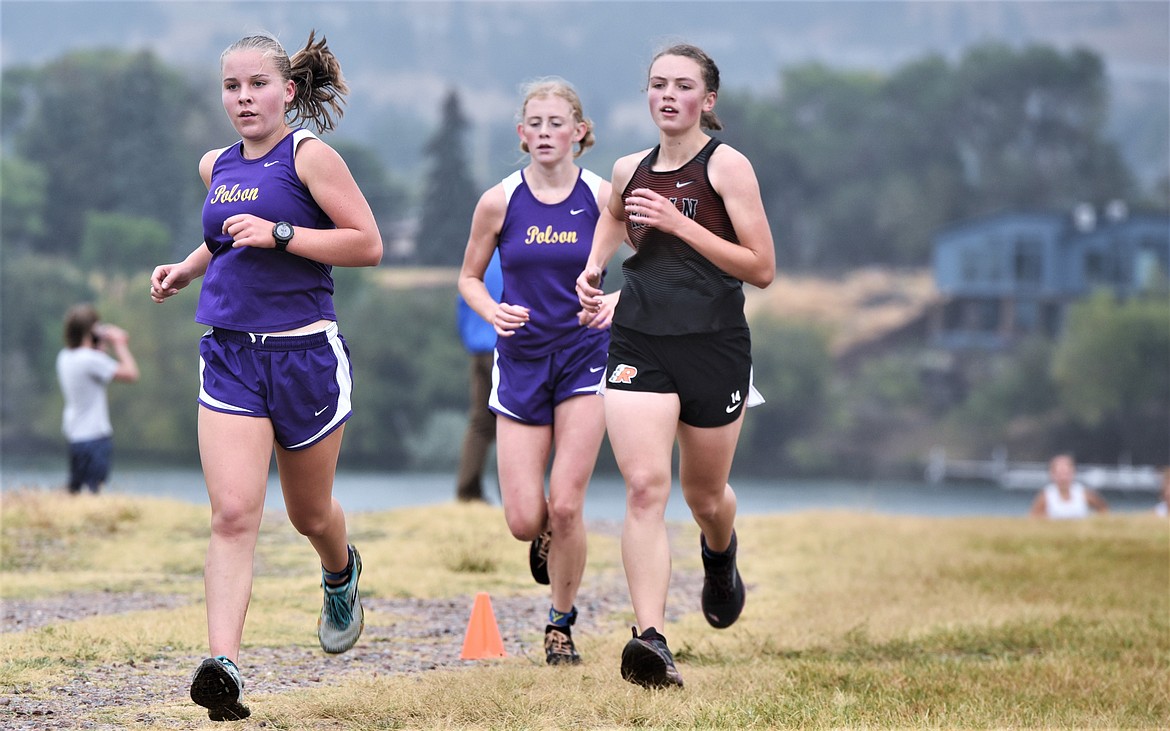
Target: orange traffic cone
<point x="483" y="634"/>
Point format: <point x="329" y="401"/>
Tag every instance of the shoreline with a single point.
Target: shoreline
<point x="373" y="492"/>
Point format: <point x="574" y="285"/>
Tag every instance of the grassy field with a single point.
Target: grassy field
<point x="852" y="620"/>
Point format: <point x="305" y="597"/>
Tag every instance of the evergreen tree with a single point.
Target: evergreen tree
<point x="449" y="195"/>
<point x="100" y="153"/>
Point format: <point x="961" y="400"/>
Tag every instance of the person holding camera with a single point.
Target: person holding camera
<point x="85" y="370"/>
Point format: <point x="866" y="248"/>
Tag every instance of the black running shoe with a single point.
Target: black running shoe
<point x="538" y="557"/>
<point x="646" y="661"/>
<point x="723" y="592"/>
<point x="558" y="646"/>
<point x="217" y="687"/>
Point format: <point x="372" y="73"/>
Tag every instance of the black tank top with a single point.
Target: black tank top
<point x="670" y="289"/>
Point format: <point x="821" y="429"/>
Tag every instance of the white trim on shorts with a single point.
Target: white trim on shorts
<point x="493" y="396"/>
<point x="341" y="373"/>
<point x="344" y="385"/>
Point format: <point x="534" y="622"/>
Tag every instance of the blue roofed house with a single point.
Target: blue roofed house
<point x="1009" y="275"/>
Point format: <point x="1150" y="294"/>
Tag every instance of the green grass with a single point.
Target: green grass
<point x="853" y="620"/>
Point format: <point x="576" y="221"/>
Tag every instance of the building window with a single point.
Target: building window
<point x="981" y="315"/>
<point x="969" y="265"/>
<point x="1027" y="315"/>
<point x="1029" y="263"/>
<point x="1102" y="267"/>
<point x="1149" y="273"/>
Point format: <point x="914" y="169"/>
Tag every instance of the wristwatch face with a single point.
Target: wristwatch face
<point x="282" y="232"/>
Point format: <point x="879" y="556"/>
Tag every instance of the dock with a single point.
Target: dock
<point x="1034" y="475"/>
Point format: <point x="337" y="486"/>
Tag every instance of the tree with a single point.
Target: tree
<point x="113" y="133"/>
<point x="22" y="202"/>
<point x="155" y="419"/>
<point x="449" y="195"/>
<point x="1014" y="402"/>
<point x="1110" y="369"/>
<point x="857" y="168"/>
<point x="406" y="378"/>
<point x="35" y="292"/>
<point x="387" y="198"/>
<point x="118" y="242"/>
<point x="791" y="368"/>
<point x="1031" y="123"/>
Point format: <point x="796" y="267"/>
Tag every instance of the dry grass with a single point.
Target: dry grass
<point x="853" y="620"/>
<point x="398" y="277"/>
<point x="856" y="308"/>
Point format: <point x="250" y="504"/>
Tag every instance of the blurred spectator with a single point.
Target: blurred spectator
<point x="85" y="369"/>
<point x="479" y="339"/>
<point x="1063" y="497"/>
<point x="1163" y="508"/>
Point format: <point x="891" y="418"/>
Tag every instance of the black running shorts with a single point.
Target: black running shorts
<point x="710" y="372"/>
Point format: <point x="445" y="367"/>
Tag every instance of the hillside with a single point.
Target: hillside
<point x="402" y="57"/>
<point x="856" y="308"/>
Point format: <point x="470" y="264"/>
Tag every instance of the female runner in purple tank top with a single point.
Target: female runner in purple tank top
<point x="282" y="209"/>
<point x="680" y="353"/>
<point x="549" y="359"/>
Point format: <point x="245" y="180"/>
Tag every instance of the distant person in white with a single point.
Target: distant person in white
<point x="1163" y="507"/>
<point x="1064" y="498"/>
<point x="85" y="369"/>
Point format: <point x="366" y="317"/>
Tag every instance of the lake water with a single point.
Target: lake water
<point x="372" y="491"/>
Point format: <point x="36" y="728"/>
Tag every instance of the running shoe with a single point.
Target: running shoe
<point x="217" y="687"/>
<point x="342" y="618"/>
<point x="558" y="646"/>
<point x="723" y="592"/>
<point x="646" y="661"/>
<point x="538" y="557"/>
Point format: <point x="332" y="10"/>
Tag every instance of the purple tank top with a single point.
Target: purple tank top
<point x="262" y="290"/>
<point x="543" y="247"/>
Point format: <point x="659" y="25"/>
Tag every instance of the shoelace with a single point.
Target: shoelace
<point x="338" y="609"/>
<point x="559" y="643"/>
<point x="723" y="582"/>
<point x="542" y="546"/>
<point x="661" y="647"/>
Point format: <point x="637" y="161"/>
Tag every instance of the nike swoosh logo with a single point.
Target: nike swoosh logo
<point x="734" y="406"/>
<point x="277" y="162"/>
<point x="599" y="368"/>
<point x="575" y="211"/>
<point x="318" y="413"/>
<point x="680" y="184"/>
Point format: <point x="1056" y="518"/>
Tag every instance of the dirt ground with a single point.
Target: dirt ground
<point x="428" y="636"/>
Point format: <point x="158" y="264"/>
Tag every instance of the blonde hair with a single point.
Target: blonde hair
<point x="558" y="87"/>
<point x="707" y="68"/>
<point x="315" y="72"/>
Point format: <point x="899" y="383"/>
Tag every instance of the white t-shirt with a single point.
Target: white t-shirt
<point x="84" y="374"/>
<point x="1076" y="506"/>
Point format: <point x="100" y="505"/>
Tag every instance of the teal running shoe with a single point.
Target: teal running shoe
<point x="217" y="687"/>
<point x="342" y="618"/>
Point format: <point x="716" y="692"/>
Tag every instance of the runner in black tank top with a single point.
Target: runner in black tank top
<point x="671" y="289"/>
<point x="679" y="362"/>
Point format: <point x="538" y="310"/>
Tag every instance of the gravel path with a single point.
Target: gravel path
<point x="427" y="635"/>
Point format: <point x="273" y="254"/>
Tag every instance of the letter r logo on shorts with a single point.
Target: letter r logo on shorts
<point x="623" y="374"/>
